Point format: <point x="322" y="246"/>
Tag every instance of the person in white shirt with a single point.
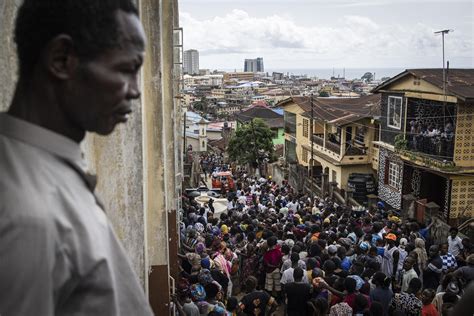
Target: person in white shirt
<point x="454" y="242"/>
<point x="408" y="273"/>
<point x="287" y="276"/>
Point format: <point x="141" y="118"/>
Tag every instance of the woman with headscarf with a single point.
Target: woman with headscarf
<point x="421" y="255"/>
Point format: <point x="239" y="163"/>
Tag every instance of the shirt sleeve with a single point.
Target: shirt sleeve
<point x="26" y="263"/>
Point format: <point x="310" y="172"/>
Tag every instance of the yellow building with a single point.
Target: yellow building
<point x="332" y="136"/>
<point x="427" y="143"/>
<point x="249" y="76"/>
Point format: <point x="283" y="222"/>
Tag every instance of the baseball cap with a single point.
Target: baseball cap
<point x="403" y="242"/>
<point x="391" y="237"/>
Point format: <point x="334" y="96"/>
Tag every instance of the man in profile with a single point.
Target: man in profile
<point x="78" y="73"/>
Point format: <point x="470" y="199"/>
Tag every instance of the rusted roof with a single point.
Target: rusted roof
<point x="270" y="117"/>
<point x="340" y="111"/>
<point x="460" y="82"/>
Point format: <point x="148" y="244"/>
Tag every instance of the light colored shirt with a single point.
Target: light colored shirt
<point x="407" y="277"/>
<point x="287" y="276"/>
<point x="455" y="245"/>
<point x="58" y="252"/>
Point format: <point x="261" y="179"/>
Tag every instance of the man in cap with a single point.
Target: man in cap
<point x="79" y="63"/>
<point x="391" y="256"/>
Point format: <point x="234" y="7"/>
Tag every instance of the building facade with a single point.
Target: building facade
<point x="332" y="136"/>
<point x="254" y="65"/>
<point x="191" y="62"/>
<point x="426" y="144"/>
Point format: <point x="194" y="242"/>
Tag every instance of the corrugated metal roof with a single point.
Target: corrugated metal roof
<point x="460" y="82"/>
<point x="340" y="111"/>
<point x="270" y="117"/>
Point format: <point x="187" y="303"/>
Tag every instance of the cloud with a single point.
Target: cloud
<point x="354" y="40"/>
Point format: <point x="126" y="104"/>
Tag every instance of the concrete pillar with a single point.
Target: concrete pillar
<point x="332" y="188"/>
<point x="349" y="193"/>
<point x="8" y="64"/>
<point x="325" y="183"/>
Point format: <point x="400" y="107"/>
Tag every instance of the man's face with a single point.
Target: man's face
<point x="444" y="249"/>
<point x="408" y="264"/>
<point x="453" y="234"/>
<point x="100" y="94"/>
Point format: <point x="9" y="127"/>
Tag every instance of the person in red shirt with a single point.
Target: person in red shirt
<point x="272" y="263"/>
<point x="429" y="308"/>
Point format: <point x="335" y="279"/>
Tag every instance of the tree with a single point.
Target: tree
<point x="201" y="105"/>
<point x="251" y="143"/>
<point x="324" y="94"/>
<point x="368" y="77"/>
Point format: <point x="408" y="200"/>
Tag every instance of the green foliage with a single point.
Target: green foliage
<point x="368" y="77"/>
<point x="201" y="105"/>
<point x="324" y="94"/>
<point x="251" y="142"/>
<point x="400" y="143"/>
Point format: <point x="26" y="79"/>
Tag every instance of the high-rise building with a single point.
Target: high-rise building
<point x="254" y="65"/>
<point x="191" y="62"/>
<point x="260" y="64"/>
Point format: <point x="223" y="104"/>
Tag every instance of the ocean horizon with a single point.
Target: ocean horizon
<point x="327" y="73"/>
<point x="348" y="73"/>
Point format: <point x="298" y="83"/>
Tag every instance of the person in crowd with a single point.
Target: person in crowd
<point x="298" y="293"/>
<point x="449" y="260"/>
<point x="429" y="309"/>
<point x="455" y="245"/>
<point x="256" y="303"/>
<point x="408" y="273"/>
<point x="382" y="292"/>
<point x="433" y="272"/>
<point x="408" y="302"/>
<point x="335" y="259"/>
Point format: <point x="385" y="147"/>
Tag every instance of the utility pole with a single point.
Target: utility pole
<point x="443" y="32"/>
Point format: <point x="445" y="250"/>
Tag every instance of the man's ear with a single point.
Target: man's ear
<point x="60" y="57"/>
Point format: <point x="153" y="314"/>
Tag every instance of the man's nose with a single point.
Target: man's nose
<point x="134" y="89"/>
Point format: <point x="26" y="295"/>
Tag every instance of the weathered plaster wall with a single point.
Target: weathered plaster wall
<point x="7" y="51"/>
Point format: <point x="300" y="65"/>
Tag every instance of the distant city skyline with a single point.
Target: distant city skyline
<point x="309" y="34"/>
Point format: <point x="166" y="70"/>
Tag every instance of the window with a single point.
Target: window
<point x="290" y="123"/>
<point x="334" y="176"/>
<point x="393" y="175"/>
<point x="394" y="113"/>
<point x="305" y="128"/>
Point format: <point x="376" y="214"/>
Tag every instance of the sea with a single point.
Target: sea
<point x="348" y="73"/>
<point x="327" y="73"/>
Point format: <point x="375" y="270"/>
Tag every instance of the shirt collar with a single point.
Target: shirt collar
<point x="42" y="138"/>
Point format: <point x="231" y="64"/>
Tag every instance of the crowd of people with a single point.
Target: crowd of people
<point x="277" y="250"/>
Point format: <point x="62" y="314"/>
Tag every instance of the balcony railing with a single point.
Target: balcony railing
<point x="356" y="151"/>
<point x="336" y="148"/>
<point x="439" y="147"/>
<point x="318" y="139"/>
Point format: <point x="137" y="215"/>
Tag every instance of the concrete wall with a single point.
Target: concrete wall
<point x="8" y="65"/>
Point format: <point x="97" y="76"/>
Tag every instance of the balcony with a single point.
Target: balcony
<point x="356" y="151"/>
<point x="336" y="148"/>
<point x="438" y="147"/>
<point x="318" y="139"/>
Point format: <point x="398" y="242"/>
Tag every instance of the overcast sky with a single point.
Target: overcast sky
<point x="304" y="34"/>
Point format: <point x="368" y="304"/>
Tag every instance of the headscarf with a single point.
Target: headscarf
<point x="421" y="252"/>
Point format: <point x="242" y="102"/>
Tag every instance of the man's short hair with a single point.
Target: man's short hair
<point x="298" y="273"/>
<point x="91" y="24"/>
